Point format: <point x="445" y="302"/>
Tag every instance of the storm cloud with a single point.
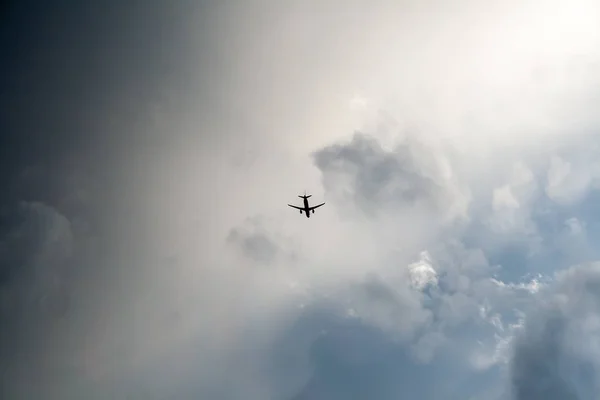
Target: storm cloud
<point x="149" y="151"/>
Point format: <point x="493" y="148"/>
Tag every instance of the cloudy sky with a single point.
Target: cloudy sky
<point x="148" y="150"/>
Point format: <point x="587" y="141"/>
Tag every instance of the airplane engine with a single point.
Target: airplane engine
<point x="300" y="211"/>
<point x="313" y="211"/>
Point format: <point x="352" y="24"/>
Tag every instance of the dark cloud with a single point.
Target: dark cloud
<point x="538" y="366"/>
<point x="555" y="357"/>
<point x="259" y="244"/>
<point x="76" y="76"/>
<point x="80" y="89"/>
<point x="35" y="248"/>
<point x="363" y="172"/>
<point x="255" y="245"/>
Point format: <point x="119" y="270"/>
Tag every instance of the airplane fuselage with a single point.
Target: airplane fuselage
<point x="306" y="209"/>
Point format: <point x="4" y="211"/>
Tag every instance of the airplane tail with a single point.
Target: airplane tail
<point x="305" y="196"/>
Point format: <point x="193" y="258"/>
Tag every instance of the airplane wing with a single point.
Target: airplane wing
<point x="317" y="206"/>
<point x="296" y="207"/>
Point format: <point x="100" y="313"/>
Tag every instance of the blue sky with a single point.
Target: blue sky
<point x="147" y="250"/>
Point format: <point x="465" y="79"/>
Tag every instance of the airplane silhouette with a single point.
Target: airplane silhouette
<point x="306" y="207"/>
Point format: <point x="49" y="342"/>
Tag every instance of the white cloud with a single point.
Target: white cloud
<point x="422" y="273"/>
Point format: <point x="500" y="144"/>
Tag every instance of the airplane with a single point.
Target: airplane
<point x="307" y="210"/>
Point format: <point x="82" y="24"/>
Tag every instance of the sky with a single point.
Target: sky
<point x="149" y="149"/>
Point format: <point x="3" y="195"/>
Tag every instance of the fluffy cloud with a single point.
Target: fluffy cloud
<point x="260" y="244"/>
<point x="377" y="180"/>
<point x="448" y="301"/>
